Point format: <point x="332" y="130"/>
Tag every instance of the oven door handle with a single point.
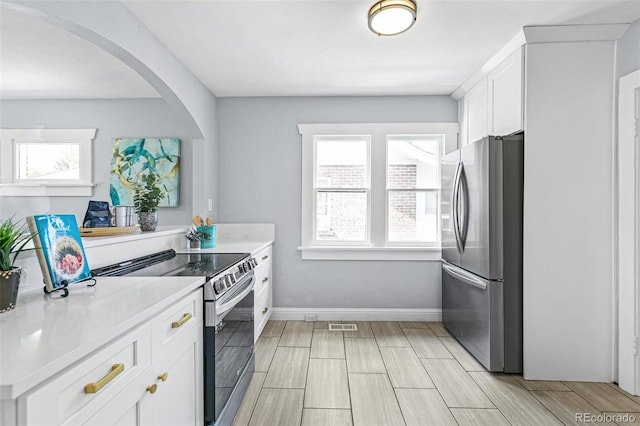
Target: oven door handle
<point x="223" y="308"/>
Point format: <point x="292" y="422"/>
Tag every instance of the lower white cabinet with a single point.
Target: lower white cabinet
<point x="263" y="290"/>
<point x="152" y="375"/>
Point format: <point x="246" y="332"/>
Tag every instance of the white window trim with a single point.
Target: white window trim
<point x="38" y="188"/>
<point x="377" y="248"/>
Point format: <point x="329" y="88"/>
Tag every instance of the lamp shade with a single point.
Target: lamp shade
<point x="391" y="17"/>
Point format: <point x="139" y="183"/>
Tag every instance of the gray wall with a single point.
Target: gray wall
<point x="112" y="119"/>
<point x="629" y="50"/>
<point x="259" y="176"/>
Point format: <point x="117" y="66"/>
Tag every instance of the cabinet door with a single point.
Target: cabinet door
<point x="505" y="91"/>
<point x="177" y="383"/>
<point x="475" y="102"/>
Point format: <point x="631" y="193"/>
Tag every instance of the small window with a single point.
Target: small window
<point x="46" y="162"/>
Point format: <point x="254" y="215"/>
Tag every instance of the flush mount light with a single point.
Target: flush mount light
<point x="391" y="17"/>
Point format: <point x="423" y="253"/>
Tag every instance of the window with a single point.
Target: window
<point x="46" y="162"/>
<point x="371" y="191"/>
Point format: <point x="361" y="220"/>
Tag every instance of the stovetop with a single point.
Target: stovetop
<point x="170" y="263"/>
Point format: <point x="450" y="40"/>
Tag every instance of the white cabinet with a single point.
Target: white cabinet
<point x="505" y="96"/>
<point x="263" y="289"/>
<point x="475" y="106"/>
<point x="152" y="375"/>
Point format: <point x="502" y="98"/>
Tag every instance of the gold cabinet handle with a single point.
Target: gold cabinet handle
<point x="152" y="389"/>
<point x="265" y="310"/>
<point x="186" y="317"/>
<point x="163" y="377"/>
<point x="265" y="257"/>
<point x="265" y="279"/>
<point x="95" y="387"/>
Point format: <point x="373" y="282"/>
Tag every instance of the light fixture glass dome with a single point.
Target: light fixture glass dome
<point x="391" y="17"/>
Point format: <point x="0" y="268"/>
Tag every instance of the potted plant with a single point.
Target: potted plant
<point x="13" y="239"/>
<point x="195" y="237"/>
<point x="146" y="197"/>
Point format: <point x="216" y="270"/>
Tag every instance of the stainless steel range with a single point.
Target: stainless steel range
<point x="228" y="281"/>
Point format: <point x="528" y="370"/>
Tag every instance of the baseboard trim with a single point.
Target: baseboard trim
<point x="357" y="314"/>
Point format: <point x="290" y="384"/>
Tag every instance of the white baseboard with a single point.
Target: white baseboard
<point x="357" y="314"/>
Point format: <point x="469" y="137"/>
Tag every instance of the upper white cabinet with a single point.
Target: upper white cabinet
<point x="505" y="96"/>
<point x="475" y="102"/>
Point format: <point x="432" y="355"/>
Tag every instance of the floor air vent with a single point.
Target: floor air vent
<point x="343" y="327"/>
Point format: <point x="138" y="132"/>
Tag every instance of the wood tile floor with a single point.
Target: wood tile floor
<point x="406" y="374"/>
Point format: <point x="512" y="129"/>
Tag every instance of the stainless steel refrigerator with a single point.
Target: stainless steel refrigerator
<point x="481" y="213"/>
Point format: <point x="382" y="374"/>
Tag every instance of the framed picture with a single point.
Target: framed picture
<point x="133" y="158"/>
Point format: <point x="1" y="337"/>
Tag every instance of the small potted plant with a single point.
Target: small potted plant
<point x="146" y="197"/>
<point x="13" y="239"/>
<point x="195" y="237"/>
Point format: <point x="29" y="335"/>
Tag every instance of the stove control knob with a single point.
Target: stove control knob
<point x="228" y="281"/>
<point x="218" y="286"/>
<point x="243" y="268"/>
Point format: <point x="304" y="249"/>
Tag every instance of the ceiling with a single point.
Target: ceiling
<point x="287" y="47"/>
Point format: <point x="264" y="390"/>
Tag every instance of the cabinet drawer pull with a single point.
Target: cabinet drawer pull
<point x="265" y="257"/>
<point x="152" y="389"/>
<point x="163" y="377"/>
<point x="265" y="310"/>
<point x="186" y="317"/>
<point x="95" y="387"/>
<point x="265" y="279"/>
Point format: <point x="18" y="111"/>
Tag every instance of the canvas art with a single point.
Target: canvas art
<point x="133" y="158"/>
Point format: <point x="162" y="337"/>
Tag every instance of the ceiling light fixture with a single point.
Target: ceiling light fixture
<point x="391" y="17"/>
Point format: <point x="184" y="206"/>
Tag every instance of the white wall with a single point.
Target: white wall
<point x="568" y="211"/>
<point x="260" y="181"/>
<point x="629" y="50"/>
<point x="112" y="119"/>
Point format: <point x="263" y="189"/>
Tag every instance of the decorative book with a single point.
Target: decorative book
<point x="59" y="250"/>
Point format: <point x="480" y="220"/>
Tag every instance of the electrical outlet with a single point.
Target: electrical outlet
<point x="210" y="205"/>
<point x="310" y="317"/>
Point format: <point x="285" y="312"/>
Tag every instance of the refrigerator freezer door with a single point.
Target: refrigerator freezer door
<point x="482" y="218"/>
<point x="448" y="172"/>
<point x="473" y="312"/>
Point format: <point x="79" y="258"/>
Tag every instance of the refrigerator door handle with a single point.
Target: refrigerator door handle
<point x="465" y="276"/>
<point x="463" y="193"/>
<point x="454" y="207"/>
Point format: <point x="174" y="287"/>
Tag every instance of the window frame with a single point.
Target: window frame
<point x="10" y="185"/>
<point x="378" y="247"/>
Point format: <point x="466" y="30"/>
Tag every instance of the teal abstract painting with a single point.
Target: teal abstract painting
<point x="133" y="158"/>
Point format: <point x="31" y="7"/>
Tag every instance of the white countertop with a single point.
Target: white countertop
<point x="252" y="247"/>
<point x="43" y="335"/>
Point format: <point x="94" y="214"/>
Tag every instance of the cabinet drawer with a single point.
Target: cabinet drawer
<point x="262" y="310"/>
<point x="184" y="314"/>
<point x="90" y="383"/>
<point x="263" y="279"/>
<point x="263" y="256"/>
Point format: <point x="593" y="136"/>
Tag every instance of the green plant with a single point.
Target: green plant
<point x="195" y="235"/>
<point x="147" y="194"/>
<point x="14" y="236"/>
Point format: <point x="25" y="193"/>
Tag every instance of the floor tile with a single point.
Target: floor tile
<point x="388" y="333"/>
<point x="404" y="368"/>
<point x="273" y="329"/>
<point x="363" y="356"/>
<point x="479" y="417"/>
<point x="288" y="368"/>
<point x="327" y="344"/>
<point x="604" y="397"/>
<point x="265" y="349"/>
<point x="327" y="384"/>
<point x="541" y="385"/>
<point x="278" y="407"/>
<point x="323" y="325"/>
<point x="468" y="362"/>
<point x="249" y="401"/>
<point x="364" y="329"/>
<point x="326" y="417"/>
<point x="438" y="329"/>
<point x="567" y="406"/>
<point x="412" y="324"/>
<point x="424" y="407"/>
<point x="455" y="385"/>
<point x="373" y="401"/>
<point x="297" y="333"/>
<point x="515" y="403"/>
<point x="426" y="343"/>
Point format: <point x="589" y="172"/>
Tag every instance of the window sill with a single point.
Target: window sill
<point x="46" y="190"/>
<point x="370" y="253"/>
